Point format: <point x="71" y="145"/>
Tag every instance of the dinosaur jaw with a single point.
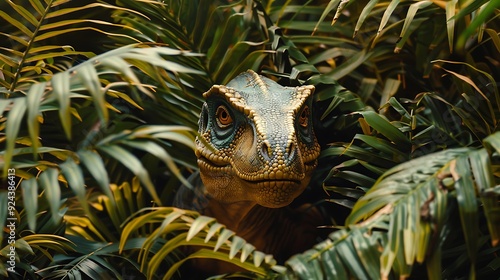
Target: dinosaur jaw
<point x="280" y="189"/>
<point x="224" y="184"/>
<point x="277" y="193"/>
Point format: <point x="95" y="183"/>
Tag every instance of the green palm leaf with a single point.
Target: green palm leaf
<point x="28" y="26"/>
<point x="92" y="261"/>
<point x="405" y="212"/>
<point x="85" y="85"/>
<point x="70" y="131"/>
<point x="191" y="229"/>
<point x="481" y="12"/>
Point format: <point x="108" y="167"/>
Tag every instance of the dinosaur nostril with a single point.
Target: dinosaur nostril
<point x="265" y="150"/>
<point x="291" y="150"/>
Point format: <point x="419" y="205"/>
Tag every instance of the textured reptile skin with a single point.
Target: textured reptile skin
<point x="256" y="141"/>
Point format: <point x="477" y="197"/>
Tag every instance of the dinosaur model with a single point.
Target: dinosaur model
<point x="256" y="151"/>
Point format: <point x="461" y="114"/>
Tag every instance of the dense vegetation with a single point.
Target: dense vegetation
<point x="99" y="107"/>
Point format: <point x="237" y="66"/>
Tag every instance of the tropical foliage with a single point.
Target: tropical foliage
<point x="99" y="109"/>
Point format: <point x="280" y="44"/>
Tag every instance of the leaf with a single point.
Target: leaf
<point x="121" y="66"/>
<point x="385" y="128"/>
<point x="224" y="40"/>
<point x="387" y="14"/>
<point x="134" y="165"/>
<point x="450" y="21"/>
<point x="391" y="86"/>
<point x="4" y="103"/>
<point x="55" y="242"/>
<point x="470" y="8"/>
<point x="61" y="89"/>
<point x="392" y="186"/>
<point x="199" y="224"/>
<point x="494" y="37"/>
<point x="12" y="126"/>
<point x="350" y="259"/>
<point x="400" y="220"/>
<point x="14" y="22"/>
<point x="484" y="180"/>
<point x="94" y="164"/>
<point x="214" y="229"/>
<point x="24" y="13"/>
<point x="223" y="238"/>
<point x="76" y="182"/>
<point x="467" y="205"/>
<point x="410" y="15"/>
<point x="307" y="270"/>
<point x="331" y="5"/>
<point x="247" y="250"/>
<point x="344" y="69"/>
<point x="179" y="134"/>
<point x="164" y="215"/>
<point x="159" y="152"/>
<point x="251" y="61"/>
<point x="48" y="180"/>
<point x="364" y="14"/>
<point x="383" y="146"/>
<point x="410" y="23"/>
<point x="30" y="199"/>
<point x="33" y="101"/>
<point x="479" y="19"/>
<point x="153" y="56"/>
<point x="88" y="76"/>
<point x="208" y="254"/>
<point x="241" y="51"/>
<point x="237" y="244"/>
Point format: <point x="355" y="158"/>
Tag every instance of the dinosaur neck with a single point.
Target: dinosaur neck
<point x="277" y="231"/>
<point x="232" y="215"/>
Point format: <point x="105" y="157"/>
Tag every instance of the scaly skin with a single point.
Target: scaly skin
<point x="256" y="152"/>
<point x="267" y="152"/>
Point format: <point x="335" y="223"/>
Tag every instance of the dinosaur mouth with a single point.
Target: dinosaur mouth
<point x="272" y="181"/>
<point x="217" y="164"/>
<point x="213" y="163"/>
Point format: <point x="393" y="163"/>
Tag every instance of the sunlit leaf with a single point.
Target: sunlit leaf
<point x="94" y="164"/>
<point x="48" y="180"/>
<point x="74" y="177"/>
<point x="15" y="117"/>
<point x="61" y="89"/>
<point x="132" y="163"/>
<point x="450" y="21"/>
<point x="30" y="199"/>
<point x="384" y="127"/>
<point x="364" y="14"/>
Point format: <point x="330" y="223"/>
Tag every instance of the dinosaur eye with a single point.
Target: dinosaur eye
<point x="224" y="119"/>
<point x="304" y="117"/>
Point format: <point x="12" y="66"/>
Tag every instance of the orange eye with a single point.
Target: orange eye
<point x="304" y="117"/>
<point x="223" y="117"/>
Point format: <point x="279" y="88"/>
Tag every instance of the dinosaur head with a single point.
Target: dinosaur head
<point x="256" y="141"/>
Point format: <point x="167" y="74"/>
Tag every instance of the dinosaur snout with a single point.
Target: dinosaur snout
<point x="268" y="152"/>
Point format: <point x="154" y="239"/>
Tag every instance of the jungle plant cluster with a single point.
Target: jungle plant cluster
<point x="99" y="108"/>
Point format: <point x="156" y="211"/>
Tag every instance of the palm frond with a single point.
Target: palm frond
<point x="231" y="34"/>
<point x="481" y="12"/>
<point x="91" y="260"/>
<point x="29" y="54"/>
<point x="34" y="248"/>
<point x="190" y="230"/>
<point x="401" y="221"/>
<point x="82" y="83"/>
